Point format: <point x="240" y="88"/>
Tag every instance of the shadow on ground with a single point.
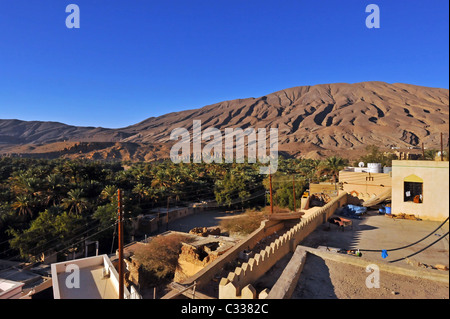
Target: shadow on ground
<point x="330" y="235"/>
<point x="315" y="281"/>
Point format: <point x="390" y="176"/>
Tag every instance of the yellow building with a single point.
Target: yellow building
<point x="421" y="188"/>
<point x="363" y="184"/>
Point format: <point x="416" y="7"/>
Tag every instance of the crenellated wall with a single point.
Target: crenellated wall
<point x="238" y="284"/>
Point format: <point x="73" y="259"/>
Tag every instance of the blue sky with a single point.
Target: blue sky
<point x="133" y="59"/>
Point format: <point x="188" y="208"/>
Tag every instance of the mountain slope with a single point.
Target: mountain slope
<point x="330" y="116"/>
<point x="320" y="118"/>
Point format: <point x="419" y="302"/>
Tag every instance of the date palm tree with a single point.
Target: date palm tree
<point x="331" y="166"/>
<point x="161" y="180"/>
<point x="24" y="204"/>
<point x="109" y="193"/>
<point x="141" y="191"/>
<point x="55" y="184"/>
<point x="75" y="201"/>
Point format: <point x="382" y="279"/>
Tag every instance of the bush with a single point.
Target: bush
<point x="243" y="224"/>
<point x="159" y="258"/>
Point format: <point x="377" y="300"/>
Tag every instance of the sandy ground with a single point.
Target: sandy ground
<point x="326" y="279"/>
<point x="202" y="219"/>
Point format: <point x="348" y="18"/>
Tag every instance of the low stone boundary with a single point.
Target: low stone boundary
<point x="285" y="285"/>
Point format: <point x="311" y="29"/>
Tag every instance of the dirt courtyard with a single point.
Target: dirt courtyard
<point x="327" y="279"/>
<point x="324" y="278"/>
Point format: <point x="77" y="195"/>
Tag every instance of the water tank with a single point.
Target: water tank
<point x="374" y="168"/>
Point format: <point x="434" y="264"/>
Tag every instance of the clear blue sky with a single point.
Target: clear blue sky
<point x="133" y="59"/>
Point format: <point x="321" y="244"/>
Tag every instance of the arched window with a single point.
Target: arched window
<point x="413" y="189"/>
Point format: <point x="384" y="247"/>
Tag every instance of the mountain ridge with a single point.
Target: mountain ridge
<point x="319" y="118"/>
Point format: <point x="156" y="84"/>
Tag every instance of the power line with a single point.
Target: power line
<point x="403" y="247"/>
<point x="57" y="252"/>
<point x="67" y="240"/>
<point x="56" y="238"/>
<point x="417" y="252"/>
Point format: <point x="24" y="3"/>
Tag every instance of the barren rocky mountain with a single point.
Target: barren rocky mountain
<point x="312" y="121"/>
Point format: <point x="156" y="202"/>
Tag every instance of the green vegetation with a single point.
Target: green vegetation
<point x="431" y="154"/>
<point x="159" y="258"/>
<point x="243" y="224"/>
<point x="374" y="155"/>
<point x="50" y="206"/>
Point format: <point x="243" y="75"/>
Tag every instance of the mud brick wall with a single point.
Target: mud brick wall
<point x="204" y="276"/>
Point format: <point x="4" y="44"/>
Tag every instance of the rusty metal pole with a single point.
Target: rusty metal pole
<point x="167" y="221"/>
<point x="270" y="186"/>
<point x="293" y="189"/>
<point x="120" y="237"/>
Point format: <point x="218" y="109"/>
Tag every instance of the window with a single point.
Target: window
<point x="413" y="189"/>
<point x="413" y="192"/>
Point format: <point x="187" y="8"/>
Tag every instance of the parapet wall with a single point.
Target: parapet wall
<point x="238" y="284"/>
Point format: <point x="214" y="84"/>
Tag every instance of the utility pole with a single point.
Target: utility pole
<point x="120" y="239"/>
<point x="423" y="151"/>
<point x="293" y="189"/>
<point x="270" y="186"/>
<point x="167" y="224"/>
<point x="442" y="148"/>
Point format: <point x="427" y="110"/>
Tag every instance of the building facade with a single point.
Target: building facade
<point x="421" y="188"/>
<point x="364" y="183"/>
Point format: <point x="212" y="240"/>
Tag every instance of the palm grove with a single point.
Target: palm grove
<point x="54" y="205"/>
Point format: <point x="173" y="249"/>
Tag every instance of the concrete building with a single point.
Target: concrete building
<point x="365" y="183"/>
<point x="330" y="189"/>
<point x="10" y="289"/>
<point x="421" y="188"/>
<point x="32" y="281"/>
<point x="87" y="278"/>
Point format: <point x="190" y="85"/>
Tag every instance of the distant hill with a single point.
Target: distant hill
<point x="312" y="121"/>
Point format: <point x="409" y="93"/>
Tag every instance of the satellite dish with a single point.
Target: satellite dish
<point x="361" y="164"/>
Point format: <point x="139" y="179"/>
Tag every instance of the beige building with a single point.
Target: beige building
<point x="364" y="185"/>
<point x="421" y="188"/>
<point x="330" y="189"/>
<point x="10" y="289"/>
<point x="88" y="278"/>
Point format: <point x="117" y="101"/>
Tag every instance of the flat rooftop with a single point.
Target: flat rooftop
<point x="415" y="277"/>
<point x="10" y="289"/>
<point x="20" y="275"/>
<point x="328" y="274"/>
<point x="93" y="284"/>
<point x="377" y="232"/>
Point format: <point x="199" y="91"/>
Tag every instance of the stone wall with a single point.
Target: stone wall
<point x="151" y="223"/>
<point x="194" y="258"/>
<point x="204" y="276"/>
<point x="238" y="284"/>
